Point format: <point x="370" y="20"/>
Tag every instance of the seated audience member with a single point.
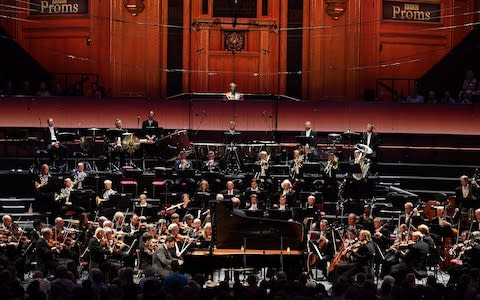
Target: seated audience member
<point x="469" y="86"/>
<point x="414" y="97"/>
<point x="431" y="97"/>
<point x="447" y="98"/>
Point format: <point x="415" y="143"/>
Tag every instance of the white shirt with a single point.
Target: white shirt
<point x="308" y="132"/>
<point x="52" y="134"/>
<point x="253" y="207"/>
<point x="465" y="191"/>
<point x="369" y="136"/>
<point x="107" y="194"/>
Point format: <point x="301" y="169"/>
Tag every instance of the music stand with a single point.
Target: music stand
<point x="232" y="159"/>
<point x="156" y="131"/>
<point x="279" y="214"/>
<point x="82" y="199"/>
<point x="349" y="168"/>
<point x="147" y="211"/>
<point x="254" y="213"/>
<point x="122" y="201"/>
<point x="304" y="140"/>
<point x="111" y="135"/>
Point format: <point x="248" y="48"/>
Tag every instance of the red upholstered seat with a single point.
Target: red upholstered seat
<point x="129" y="182"/>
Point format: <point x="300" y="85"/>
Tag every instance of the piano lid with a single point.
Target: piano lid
<point x="232" y="229"/>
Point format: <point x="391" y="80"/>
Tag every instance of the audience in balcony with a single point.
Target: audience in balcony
<point x="43" y="90"/>
<point x="431" y="97"/>
<point x="447" y="98"/>
<point x="414" y="97"/>
<point x="469" y="87"/>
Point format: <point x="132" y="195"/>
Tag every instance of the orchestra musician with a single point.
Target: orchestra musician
<point x="289" y="192"/>
<point x="414" y="260"/>
<point x="282" y="203"/>
<point x="51" y="138"/>
<point x="323" y="247"/>
<point x="469" y="257"/>
<point x="230" y="190"/>
<point x="206" y="235"/>
<point x="117" y="151"/>
<point x="381" y="234"/>
<point x="107" y="192"/>
<point x="44" y="198"/>
<point x="372" y="140"/>
<point x="150" y="122"/>
<point x="211" y="164"/>
<point x="296" y="166"/>
<point x="99" y="252"/>
<point x="476" y="221"/>
<point x="352" y="223"/>
<point x="162" y="257"/>
<point x="45" y="250"/>
<point x="182" y="164"/>
<point x="264" y="164"/>
<point x="330" y="185"/>
<point x="411" y="217"/>
<point x="79" y="175"/>
<point x="253" y="203"/>
<point x="7" y="223"/>
<point x="146" y="248"/>
<point x="366" y="220"/>
<point x="203" y="186"/>
<point x="441" y="225"/>
<point x="358" y="256"/>
<point x="254" y="187"/>
<point x="149" y="127"/>
<point x="196" y="229"/>
<point x="35" y="234"/>
<point x="64" y="195"/>
<point x="308" y="147"/>
<point x="466" y="191"/>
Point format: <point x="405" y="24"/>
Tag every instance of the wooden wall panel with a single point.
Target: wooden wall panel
<point x="341" y="58"/>
<point x="135" y="56"/>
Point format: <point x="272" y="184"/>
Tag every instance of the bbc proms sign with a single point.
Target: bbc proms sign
<point x="58" y="7"/>
<point x="411" y="11"/>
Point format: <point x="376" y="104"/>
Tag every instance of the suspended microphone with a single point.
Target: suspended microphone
<point x="138" y="120"/>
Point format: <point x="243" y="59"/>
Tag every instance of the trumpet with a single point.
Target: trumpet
<point x="331" y="165"/>
<point x="264" y="165"/>
<point x="297" y="164"/>
<point x="184" y="164"/>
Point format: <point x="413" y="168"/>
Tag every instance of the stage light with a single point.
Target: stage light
<point x="135" y="7"/>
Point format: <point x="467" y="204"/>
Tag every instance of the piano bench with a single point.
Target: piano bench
<point x="129" y="182"/>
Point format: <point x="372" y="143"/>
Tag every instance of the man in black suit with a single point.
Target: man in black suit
<point x="150" y="130"/>
<point x="411" y="216"/>
<point x="310" y="143"/>
<point x="372" y="140"/>
<point x="45" y="254"/>
<point x="360" y="258"/>
<point x="466" y="193"/>
<point x="51" y="138"/>
<point x="150" y="122"/>
<point x="414" y="261"/>
<point x="230" y="190"/>
<point x="97" y="249"/>
<point x="381" y="234"/>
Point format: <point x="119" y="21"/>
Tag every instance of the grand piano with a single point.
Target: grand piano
<point x="241" y="242"/>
